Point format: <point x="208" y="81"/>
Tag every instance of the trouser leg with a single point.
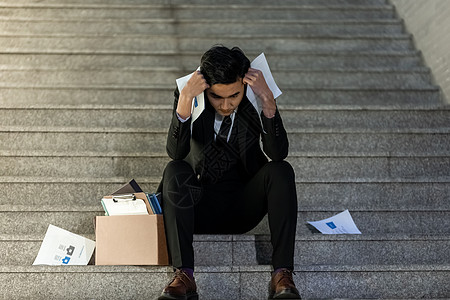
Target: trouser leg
<point x="180" y="190"/>
<point x="273" y="189"/>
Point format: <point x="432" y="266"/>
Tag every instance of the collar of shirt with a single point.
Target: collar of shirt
<point x="218" y="121"/>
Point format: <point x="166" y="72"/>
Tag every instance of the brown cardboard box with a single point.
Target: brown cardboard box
<point x="130" y="240"/>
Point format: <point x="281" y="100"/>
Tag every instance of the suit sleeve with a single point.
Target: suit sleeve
<point x="179" y="135"/>
<point x="274" y="139"/>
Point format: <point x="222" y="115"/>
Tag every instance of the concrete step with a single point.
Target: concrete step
<point x="64" y="191"/>
<point x="119" y="3"/>
<point x="387" y="195"/>
<point x="244" y="282"/>
<point x="310" y="169"/>
<point x="311" y="195"/>
<point x="185" y="61"/>
<point x="81" y="192"/>
<point x="205" y="26"/>
<point x="249" y="250"/>
<point x="375" y="222"/>
<point x="137" y="78"/>
<point x="317" y="249"/>
<point x="161" y="44"/>
<point x="319" y="98"/>
<point x="228" y="11"/>
<point x="363" y="144"/>
<point x="316" y="120"/>
<point x="152" y="119"/>
<point x="30" y="220"/>
<point x="301" y="144"/>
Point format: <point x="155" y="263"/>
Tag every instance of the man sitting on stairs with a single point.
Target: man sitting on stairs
<point x="219" y="180"/>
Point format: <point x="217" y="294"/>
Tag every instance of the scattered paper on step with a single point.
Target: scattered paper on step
<point x="61" y="247"/>
<point x="341" y="223"/>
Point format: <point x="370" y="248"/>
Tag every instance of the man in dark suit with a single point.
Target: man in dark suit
<point x="220" y="180"/>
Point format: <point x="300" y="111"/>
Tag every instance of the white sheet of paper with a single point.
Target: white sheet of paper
<point x="341" y="223"/>
<point x="259" y="63"/>
<point x="61" y="247"/>
<point x="198" y="105"/>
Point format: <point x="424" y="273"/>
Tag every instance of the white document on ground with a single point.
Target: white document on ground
<point x="61" y="247"/>
<point x="341" y="223"/>
<point x="259" y="63"/>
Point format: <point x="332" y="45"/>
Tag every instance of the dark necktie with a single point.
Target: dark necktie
<point x="224" y="130"/>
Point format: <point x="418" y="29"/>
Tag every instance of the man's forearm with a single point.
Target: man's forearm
<point x="268" y="104"/>
<point x="184" y="106"/>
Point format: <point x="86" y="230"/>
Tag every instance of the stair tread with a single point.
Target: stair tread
<point x="274" y="37"/>
<point x="198" y="21"/>
<point x="42" y="4"/>
<point x="99" y="130"/>
<point x="363" y="70"/>
<point x="157" y="179"/>
<point x="225" y="269"/>
<point x="98" y="208"/>
<point x="285" y="107"/>
<point x="387" y="237"/>
<point x="292" y="154"/>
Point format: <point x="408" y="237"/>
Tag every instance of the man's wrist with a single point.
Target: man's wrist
<point x="181" y="119"/>
<point x="269" y="113"/>
<point x="269" y="107"/>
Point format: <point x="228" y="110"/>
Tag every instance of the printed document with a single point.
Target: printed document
<point x="341" y="223"/>
<point x="61" y="247"/>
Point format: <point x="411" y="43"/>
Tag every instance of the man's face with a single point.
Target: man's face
<point x="225" y="98"/>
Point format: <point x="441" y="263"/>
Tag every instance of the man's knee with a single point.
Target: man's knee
<point x="180" y="186"/>
<point x="280" y="170"/>
<point x="177" y="167"/>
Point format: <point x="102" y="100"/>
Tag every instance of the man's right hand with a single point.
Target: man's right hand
<point x="195" y="86"/>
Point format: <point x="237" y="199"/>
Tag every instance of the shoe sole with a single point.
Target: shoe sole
<point x="286" y="294"/>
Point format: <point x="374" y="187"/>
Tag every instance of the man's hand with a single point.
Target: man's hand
<point x="255" y="80"/>
<point x="195" y="86"/>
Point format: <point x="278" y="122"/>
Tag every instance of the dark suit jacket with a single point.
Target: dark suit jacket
<point x="196" y="147"/>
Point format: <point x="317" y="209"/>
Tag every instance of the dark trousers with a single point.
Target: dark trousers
<point x="229" y="208"/>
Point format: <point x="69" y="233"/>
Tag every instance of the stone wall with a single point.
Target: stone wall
<point x="429" y="22"/>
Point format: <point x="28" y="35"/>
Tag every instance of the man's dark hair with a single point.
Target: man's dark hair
<point x="221" y="65"/>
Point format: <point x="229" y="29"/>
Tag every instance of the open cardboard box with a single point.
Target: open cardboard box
<point x="130" y="240"/>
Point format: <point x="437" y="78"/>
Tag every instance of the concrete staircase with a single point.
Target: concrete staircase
<point x="86" y="94"/>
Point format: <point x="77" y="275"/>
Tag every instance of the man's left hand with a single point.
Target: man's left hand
<point x="255" y="79"/>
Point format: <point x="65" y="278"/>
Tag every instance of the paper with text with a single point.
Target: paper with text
<point x="61" y="247"/>
<point x="341" y="223"/>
